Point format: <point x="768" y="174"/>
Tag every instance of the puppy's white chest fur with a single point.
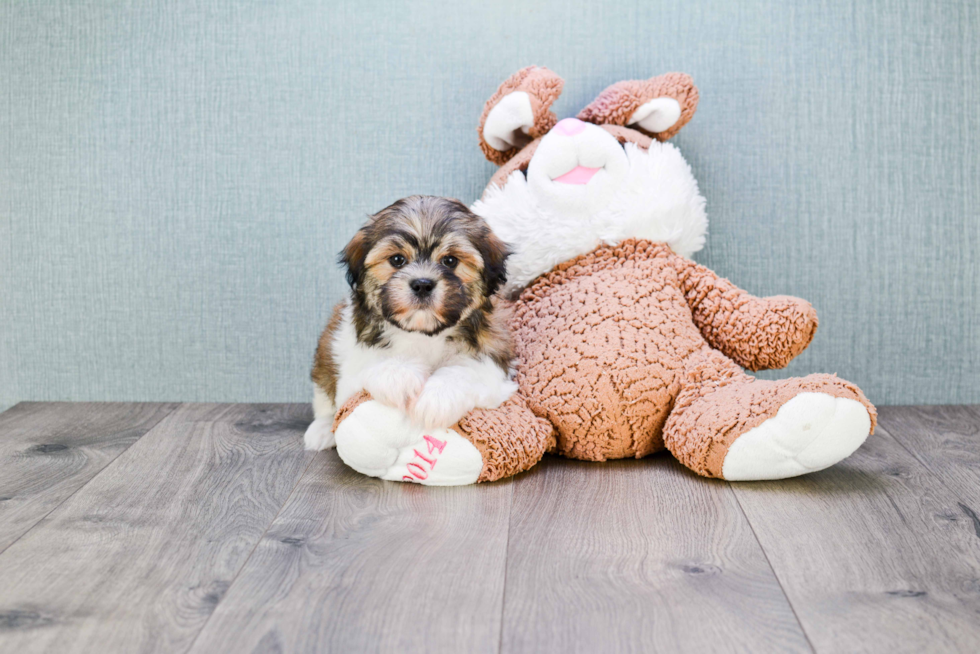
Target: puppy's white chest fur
<point x="412" y="361"/>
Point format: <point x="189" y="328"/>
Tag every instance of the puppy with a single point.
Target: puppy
<point x="422" y="330"/>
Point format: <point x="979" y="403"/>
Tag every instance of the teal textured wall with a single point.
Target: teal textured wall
<point x="176" y="177"/>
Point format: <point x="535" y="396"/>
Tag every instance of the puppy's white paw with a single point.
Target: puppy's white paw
<point x="318" y="435"/>
<point x="368" y="440"/>
<point x="441" y="403"/>
<point x="395" y="383"/>
<point x="380" y="441"/>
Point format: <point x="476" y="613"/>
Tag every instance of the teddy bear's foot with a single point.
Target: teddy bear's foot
<point x="742" y="429"/>
<point x="811" y="432"/>
<point x="380" y="441"/>
<point x="441" y="458"/>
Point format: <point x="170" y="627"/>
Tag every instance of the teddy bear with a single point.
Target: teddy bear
<point x="624" y="345"/>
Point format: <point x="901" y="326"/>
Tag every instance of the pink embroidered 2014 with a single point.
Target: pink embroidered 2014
<point x="419" y="473"/>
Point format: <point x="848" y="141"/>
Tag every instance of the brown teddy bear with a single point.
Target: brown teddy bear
<point x="624" y="345"/>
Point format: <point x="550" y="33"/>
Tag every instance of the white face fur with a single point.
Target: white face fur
<point x="583" y="189"/>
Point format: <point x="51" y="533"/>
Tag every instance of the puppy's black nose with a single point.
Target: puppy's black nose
<point x="422" y="287"/>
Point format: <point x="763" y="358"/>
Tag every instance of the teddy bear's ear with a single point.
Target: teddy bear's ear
<point x="658" y="107"/>
<point x="518" y="112"/>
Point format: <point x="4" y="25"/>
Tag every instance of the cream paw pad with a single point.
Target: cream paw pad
<point x="810" y="432"/>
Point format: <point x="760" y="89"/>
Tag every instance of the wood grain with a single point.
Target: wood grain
<point x="137" y="560"/>
<point x="354" y="564"/>
<point x="946" y="440"/>
<point x="875" y="553"/>
<point x="48" y="451"/>
<point x="634" y="556"/>
<point x="202" y="533"/>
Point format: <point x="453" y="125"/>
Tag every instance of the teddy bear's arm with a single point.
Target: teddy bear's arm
<point x="757" y="333"/>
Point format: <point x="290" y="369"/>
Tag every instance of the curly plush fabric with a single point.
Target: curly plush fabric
<point x="601" y="342"/>
<point x="543" y="88"/>
<point x="617" y="103"/>
<point x="608" y="345"/>
<point x="728" y="318"/>
<point x="510" y="438"/>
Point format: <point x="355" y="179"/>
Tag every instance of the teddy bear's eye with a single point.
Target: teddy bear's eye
<point x="397" y="260"/>
<point x="450" y="262"/>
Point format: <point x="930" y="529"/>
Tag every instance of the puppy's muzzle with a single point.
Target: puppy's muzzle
<point x="422" y="287"/>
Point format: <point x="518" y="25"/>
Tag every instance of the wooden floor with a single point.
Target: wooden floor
<point x="207" y="528"/>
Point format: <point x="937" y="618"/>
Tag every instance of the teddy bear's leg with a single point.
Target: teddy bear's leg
<point x="729" y="425"/>
<point x="380" y="441"/>
<point x="487" y="444"/>
<point x="510" y="438"/>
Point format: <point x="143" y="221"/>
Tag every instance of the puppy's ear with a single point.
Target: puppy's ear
<point x="657" y="107"/>
<point x="494" y="253"/>
<point x="353" y="255"/>
<point x="518" y="112"/>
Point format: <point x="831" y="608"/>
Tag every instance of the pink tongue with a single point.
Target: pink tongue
<point x="577" y="175"/>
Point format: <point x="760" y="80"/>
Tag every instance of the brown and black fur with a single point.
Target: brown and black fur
<point x="325" y="368"/>
<point x="424" y="230"/>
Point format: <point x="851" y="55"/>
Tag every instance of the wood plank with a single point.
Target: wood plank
<point x="138" y="558"/>
<point x="633" y="556"/>
<point x="49" y="450"/>
<point x="946" y="440"/>
<point x="875" y="553"/>
<point x="355" y="564"/>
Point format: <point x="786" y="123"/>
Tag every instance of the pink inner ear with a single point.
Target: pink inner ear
<point x="577" y="175"/>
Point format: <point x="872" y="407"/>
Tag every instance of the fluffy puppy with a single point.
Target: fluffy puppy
<point x="422" y="329"/>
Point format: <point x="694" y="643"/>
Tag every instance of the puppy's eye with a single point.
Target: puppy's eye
<point x="450" y="262"/>
<point x="397" y="260"/>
